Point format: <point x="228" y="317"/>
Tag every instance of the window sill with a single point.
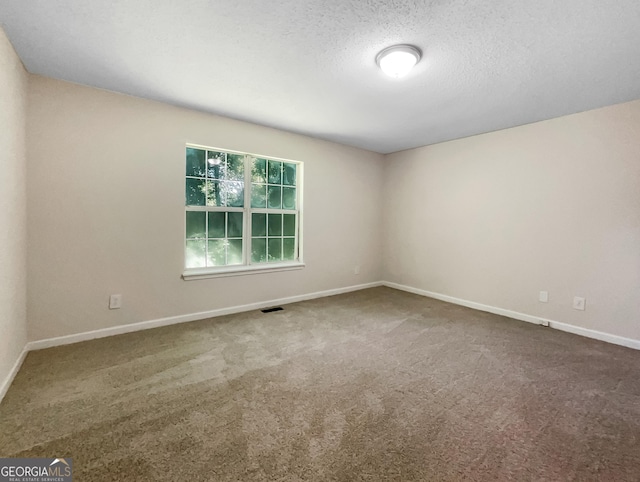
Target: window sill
<point x="205" y="273"/>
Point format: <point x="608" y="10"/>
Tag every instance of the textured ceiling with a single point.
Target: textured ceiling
<point x="308" y="66"/>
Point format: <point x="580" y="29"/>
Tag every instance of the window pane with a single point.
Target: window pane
<point x="275" y="249"/>
<point x="275" y="224"/>
<point x="235" y="167"/>
<point x="215" y="193"/>
<point x="289" y="174"/>
<point x="195" y="162"/>
<point x="234" y="251"/>
<point x="215" y="179"/>
<point x="235" y="194"/>
<point x="258" y="224"/>
<point x="288" y="197"/>
<point x="216" y="254"/>
<point x="216" y="225"/>
<point x="288" y="249"/>
<point x="258" y="250"/>
<point x="215" y="165"/>
<point x="234" y="225"/>
<point x="195" y="192"/>
<point x="258" y="196"/>
<point x="275" y="197"/>
<point x="259" y="170"/>
<point x="196" y="224"/>
<point x="275" y="172"/>
<point x="195" y="254"/>
<point x="289" y="225"/>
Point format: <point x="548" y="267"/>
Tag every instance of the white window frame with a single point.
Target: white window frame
<point x="248" y="267"/>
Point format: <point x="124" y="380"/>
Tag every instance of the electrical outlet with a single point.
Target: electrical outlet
<point x="579" y="303"/>
<point x="543" y="297"/>
<point x="115" y="302"/>
<point x="356" y="270"/>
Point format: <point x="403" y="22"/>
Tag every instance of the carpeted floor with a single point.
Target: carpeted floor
<point x="372" y="385"/>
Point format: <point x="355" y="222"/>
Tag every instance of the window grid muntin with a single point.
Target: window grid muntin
<point x="248" y="210"/>
<point x="222" y="174"/>
<point x="282" y="237"/>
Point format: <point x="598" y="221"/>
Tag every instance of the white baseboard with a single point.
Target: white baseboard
<point x="598" y="335"/>
<point x="172" y="320"/>
<point x="6" y="383"/>
<point x="469" y="304"/>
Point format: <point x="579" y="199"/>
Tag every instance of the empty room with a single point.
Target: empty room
<point x="302" y="240"/>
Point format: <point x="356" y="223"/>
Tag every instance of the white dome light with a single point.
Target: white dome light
<point x="398" y="60"/>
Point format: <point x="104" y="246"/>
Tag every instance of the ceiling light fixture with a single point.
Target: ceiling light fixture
<point x="398" y="60"/>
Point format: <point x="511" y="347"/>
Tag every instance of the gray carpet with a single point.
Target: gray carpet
<point x="373" y="385"/>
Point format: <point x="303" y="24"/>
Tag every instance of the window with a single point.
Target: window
<point x="242" y="213"/>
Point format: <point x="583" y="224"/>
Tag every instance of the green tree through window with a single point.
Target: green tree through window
<point x="240" y="209"/>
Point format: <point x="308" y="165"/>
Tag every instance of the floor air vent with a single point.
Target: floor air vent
<point x="271" y="310"/>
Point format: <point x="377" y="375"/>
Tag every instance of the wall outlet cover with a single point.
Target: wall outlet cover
<point x="115" y="302"/>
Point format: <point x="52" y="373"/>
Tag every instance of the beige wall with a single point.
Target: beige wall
<point x="498" y="217"/>
<point x="13" y="208"/>
<point x="491" y="219"/>
<point x="106" y="193"/>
